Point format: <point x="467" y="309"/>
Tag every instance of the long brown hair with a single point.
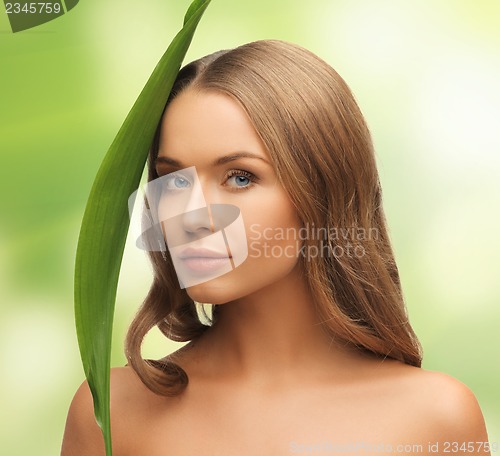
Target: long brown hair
<point x="315" y="135"/>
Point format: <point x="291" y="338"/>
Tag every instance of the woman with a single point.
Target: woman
<point x="309" y="346"/>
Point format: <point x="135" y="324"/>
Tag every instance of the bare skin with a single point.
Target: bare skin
<point x="249" y="394"/>
<point x="266" y="380"/>
<point x="363" y="401"/>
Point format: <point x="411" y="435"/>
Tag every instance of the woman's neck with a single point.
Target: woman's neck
<point x="269" y="337"/>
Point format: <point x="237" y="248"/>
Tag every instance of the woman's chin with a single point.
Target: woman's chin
<point x="210" y="292"/>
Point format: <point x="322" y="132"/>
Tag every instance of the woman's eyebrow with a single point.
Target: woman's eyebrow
<point x="231" y="157"/>
<point x="217" y="162"/>
<point x="167" y="161"/>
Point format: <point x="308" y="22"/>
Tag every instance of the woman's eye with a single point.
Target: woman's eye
<point x="239" y="179"/>
<point x="176" y="182"/>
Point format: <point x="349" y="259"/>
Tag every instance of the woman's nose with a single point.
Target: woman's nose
<point x="192" y="220"/>
<point x="197" y="217"/>
<point x="197" y="221"/>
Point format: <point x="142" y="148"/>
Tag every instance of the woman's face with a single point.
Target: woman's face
<point x="212" y="133"/>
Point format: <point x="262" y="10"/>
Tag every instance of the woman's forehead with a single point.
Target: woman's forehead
<point x="207" y="125"/>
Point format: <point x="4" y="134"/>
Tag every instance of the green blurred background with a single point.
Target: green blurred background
<point x="427" y="76"/>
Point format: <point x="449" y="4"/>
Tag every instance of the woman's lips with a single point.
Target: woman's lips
<point x="204" y="260"/>
<point x="201" y="253"/>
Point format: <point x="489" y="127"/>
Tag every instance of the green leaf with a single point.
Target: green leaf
<point x="106" y="220"/>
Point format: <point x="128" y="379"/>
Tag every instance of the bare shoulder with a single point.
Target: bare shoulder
<point x="442" y="408"/>
<point x="453" y="407"/>
<point x="82" y="435"/>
